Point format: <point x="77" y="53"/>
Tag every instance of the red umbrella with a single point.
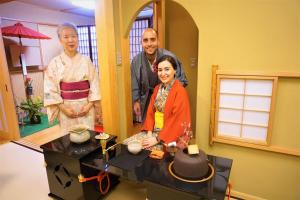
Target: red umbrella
<point x="18" y="30"/>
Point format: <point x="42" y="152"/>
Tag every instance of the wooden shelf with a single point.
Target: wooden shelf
<point x="17" y="70"/>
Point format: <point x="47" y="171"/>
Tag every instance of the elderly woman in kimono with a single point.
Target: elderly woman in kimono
<point x="71" y="84"/>
<point x="168" y="117"/>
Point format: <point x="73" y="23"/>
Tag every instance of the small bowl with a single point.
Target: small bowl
<point x="79" y="128"/>
<point x="134" y="146"/>
<point x="79" y="133"/>
<point x="80" y="137"/>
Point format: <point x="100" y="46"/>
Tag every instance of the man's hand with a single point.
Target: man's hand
<point x="137" y="108"/>
<point x="67" y="110"/>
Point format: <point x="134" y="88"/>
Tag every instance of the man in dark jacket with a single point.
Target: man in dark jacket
<point x="144" y="73"/>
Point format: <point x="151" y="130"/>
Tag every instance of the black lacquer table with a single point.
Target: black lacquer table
<point x="66" y="160"/>
<point x="63" y="165"/>
<point x="155" y="174"/>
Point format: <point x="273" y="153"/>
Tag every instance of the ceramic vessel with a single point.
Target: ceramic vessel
<point x="134" y="146"/>
<point x="197" y="164"/>
<point x="79" y="133"/>
<point x="80" y="137"/>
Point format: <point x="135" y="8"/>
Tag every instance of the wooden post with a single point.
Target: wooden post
<point x="9" y="124"/>
<point x="104" y="15"/>
<point x="159" y="21"/>
<point x="213" y="103"/>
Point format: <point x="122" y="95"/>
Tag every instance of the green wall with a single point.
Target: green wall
<point x="249" y="35"/>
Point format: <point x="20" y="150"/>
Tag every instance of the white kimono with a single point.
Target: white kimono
<point x="62" y="68"/>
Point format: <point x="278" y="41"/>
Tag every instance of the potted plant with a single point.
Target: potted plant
<point x="33" y="106"/>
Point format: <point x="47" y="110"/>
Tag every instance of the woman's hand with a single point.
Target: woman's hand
<point x="149" y="142"/>
<point x="149" y="133"/>
<point x="67" y="110"/>
<point x="85" y="109"/>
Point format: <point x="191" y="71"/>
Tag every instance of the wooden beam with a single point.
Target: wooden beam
<point x="272" y="148"/>
<point x="159" y="19"/>
<point x="253" y="73"/>
<point x="213" y="103"/>
<point x="126" y="73"/>
<point x="104" y="15"/>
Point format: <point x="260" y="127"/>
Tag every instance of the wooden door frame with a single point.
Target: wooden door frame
<point x="159" y="25"/>
<point x="105" y="32"/>
<point x="11" y="131"/>
<point x="159" y="19"/>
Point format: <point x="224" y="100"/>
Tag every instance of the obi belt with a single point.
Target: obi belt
<point x="74" y="90"/>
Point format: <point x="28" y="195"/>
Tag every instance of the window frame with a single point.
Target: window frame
<point x="136" y="34"/>
<point x="267" y="146"/>
<point x="240" y="140"/>
<point x="90" y="40"/>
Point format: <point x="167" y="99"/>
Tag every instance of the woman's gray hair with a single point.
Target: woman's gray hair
<point x="64" y="26"/>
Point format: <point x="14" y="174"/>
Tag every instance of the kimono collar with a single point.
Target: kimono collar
<point x="169" y="85"/>
<point x="66" y="60"/>
<point x="162" y="95"/>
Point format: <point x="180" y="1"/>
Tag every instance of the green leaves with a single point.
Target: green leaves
<point x="32" y="106"/>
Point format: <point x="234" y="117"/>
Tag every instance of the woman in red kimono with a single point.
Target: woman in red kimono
<point x="168" y="115"/>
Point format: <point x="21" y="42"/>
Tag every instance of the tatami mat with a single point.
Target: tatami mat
<point x="22" y="174"/>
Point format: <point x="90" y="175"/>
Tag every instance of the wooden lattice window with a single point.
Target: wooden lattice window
<point x="135" y="35"/>
<point x="87" y="43"/>
<point x="244" y="108"/>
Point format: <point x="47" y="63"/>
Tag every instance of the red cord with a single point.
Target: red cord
<point x="102" y="175"/>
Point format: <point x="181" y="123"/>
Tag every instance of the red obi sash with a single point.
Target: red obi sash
<point x="74" y="90"/>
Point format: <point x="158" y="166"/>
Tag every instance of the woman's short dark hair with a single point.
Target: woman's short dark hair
<point x="168" y="58"/>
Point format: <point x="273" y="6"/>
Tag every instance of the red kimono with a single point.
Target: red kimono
<point x="177" y="116"/>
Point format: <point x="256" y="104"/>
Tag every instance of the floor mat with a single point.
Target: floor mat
<point x="21" y="171"/>
<point x="28" y="128"/>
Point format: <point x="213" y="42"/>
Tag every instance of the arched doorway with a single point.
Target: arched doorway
<point x="181" y="38"/>
<point x="179" y="34"/>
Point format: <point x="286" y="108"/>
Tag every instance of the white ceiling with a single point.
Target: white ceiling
<point x="67" y="6"/>
<point x="61" y="5"/>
